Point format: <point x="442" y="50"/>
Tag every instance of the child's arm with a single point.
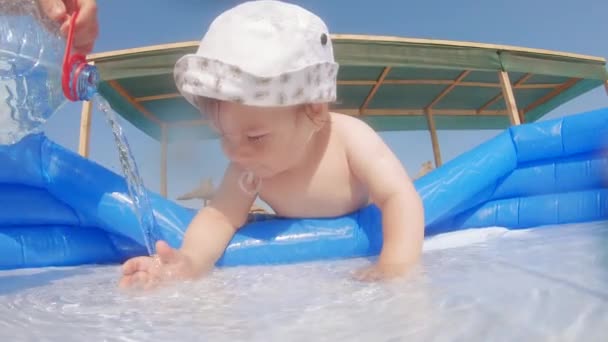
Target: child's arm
<point x="214" y="226"/>
<point x="204" y="241"/>
<point x="393" y="192"/>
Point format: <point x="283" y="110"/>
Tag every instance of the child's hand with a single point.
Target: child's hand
<point x="150" y="272"/>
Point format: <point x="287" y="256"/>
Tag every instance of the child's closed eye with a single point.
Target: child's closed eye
<point x="256" y="138"/>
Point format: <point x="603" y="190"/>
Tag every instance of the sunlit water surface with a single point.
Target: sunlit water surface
<point x="546" y="284"/>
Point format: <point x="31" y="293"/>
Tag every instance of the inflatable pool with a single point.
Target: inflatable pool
<point x="59" y="209"/>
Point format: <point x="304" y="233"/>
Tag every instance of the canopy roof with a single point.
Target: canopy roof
<point x="387" y="81"/>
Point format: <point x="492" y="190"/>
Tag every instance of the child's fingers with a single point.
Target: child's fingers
<point x="129" y="267"/>
<point x="133" y="281"/>
<point x="125" y="282"/>
<point x="151" y="283"/>
<point x="166" y="254"/>
<point x="136" y="264"/>
<point x="368" y="274"/>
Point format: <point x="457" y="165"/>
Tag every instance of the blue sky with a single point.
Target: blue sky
<point x="579" y="27"/>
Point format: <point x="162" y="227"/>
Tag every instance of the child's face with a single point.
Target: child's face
<point x="264" y="140"/>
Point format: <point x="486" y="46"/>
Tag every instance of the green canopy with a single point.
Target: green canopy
<point x="390" y="82"/>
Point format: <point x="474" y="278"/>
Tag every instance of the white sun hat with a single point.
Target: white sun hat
<point x="261" y="53"/>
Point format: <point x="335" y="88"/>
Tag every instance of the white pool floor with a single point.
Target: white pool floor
<point x="546" y="284"/>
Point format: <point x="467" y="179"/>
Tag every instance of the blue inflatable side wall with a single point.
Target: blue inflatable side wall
<point x="556" y="171"/>
<point x="57" y="208"/>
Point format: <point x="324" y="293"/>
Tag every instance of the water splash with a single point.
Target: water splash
<point x="137" y="191"/>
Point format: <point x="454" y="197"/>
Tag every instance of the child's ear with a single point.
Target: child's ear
<point x="318" y="113"/>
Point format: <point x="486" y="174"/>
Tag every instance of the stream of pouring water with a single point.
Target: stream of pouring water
<point x="139" y="196"/>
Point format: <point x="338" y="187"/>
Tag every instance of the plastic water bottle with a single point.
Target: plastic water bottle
<point x="31" y="56"/>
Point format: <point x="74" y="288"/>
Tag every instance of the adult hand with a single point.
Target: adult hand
<point x="87" y="26"/>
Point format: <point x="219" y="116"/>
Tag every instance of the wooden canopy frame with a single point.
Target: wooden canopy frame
<point x="513" y="69"/>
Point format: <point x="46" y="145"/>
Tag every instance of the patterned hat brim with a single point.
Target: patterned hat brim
<point x="196" y="75"/>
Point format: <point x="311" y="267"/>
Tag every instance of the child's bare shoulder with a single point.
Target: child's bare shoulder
<point x="350" y="128"/>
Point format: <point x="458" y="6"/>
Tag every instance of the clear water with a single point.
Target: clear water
<point x="30" y="88"/>
<point x="137" y="191"/>
<point x="547" y="284"/>
<point x="27" y="98"/>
